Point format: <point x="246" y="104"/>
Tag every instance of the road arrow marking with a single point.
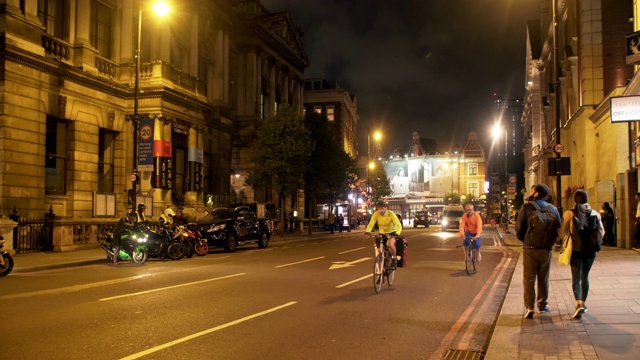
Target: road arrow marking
<point x="344" y="264"/>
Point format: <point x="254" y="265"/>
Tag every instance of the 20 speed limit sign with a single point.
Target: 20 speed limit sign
<point x="558" y="148"/>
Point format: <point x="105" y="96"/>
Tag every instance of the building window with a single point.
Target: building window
<point x="472" y="169"/>
<point x="105" y="161"/>
<point x="472" y="188"/>
<point x="317" y="109"/>
<point x="101" y="28"/>
<point x="331" y="112"/>
<point x="51" y="15"/>
<point x="55" y="156"/>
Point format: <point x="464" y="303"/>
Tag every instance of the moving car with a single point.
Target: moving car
<point x="421" y="218"/>
<point x="451" y="217"/>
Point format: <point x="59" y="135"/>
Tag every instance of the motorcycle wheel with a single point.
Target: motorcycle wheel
<point x="201" y="248"/>
<point x="139" y="256"/>
<point x="175" y="251"/>
<point x="8" y="265"/>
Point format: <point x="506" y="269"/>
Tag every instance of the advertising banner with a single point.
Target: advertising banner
<point x="194" y="174"/>
<point x="162" y="164"/>
<point x="145" y="145"/>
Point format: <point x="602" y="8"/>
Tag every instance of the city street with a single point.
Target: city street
<point x="309" y="299"/>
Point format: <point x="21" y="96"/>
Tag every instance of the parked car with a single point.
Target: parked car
<point x="421" y="218"/>
<point x="451" y="217"/>
<point x="229" y="228"/>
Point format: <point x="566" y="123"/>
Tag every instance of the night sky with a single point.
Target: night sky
<point x="430" y="66"/>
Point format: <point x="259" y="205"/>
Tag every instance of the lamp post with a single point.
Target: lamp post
<point x="556" y="89"/>
<point x="370" y="164"/>
<point x="161" y="9"/>
<point x="497" y="131"/>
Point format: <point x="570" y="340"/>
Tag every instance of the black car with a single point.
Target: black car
<point x="229" y="228"/>
<point x="421" y="218"/>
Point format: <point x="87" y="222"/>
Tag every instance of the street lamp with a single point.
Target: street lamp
<point x="370" y="164"/>
<point x="496" y="134"/>
<point x="161" y="8"/>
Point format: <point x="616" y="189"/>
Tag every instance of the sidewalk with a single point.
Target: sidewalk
<point x="610" y="330"/>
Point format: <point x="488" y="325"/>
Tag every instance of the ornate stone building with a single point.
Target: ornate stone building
<point x="209" y="72"/>
<point x="590" y="68"/>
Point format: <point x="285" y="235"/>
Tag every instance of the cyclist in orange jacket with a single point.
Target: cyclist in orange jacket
<point x="470" y="228"/>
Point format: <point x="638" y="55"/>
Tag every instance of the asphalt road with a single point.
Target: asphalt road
<point x="310" y="299"/>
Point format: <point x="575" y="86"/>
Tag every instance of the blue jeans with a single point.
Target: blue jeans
<point x="581" y="263"/>
<point x="467" y="239"/>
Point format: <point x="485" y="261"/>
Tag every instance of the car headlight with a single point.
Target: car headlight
<point x="217" y="228"/>
<point x="444" y="222"/>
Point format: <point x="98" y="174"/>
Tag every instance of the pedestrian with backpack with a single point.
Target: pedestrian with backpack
<point x="537" y="227"/>
<point x="585" y="227"/>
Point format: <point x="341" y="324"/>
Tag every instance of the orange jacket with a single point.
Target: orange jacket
<point x="472" y="224"/>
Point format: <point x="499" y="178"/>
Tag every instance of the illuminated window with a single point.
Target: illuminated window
<point x="317" y="109"/>
<point x="55" y="157"/>
<point x="330" y="112"/>
<point x="473" y="169"/>
<point x="472" y="188"/>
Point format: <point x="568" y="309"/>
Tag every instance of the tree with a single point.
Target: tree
<point x="451" y="198"/>
<point x="331" y="170"/>
<point x="280" y="153"/>
<point x="379" y="182"/>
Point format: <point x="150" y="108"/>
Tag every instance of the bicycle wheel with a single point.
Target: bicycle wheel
<point x="468" y="259"/>
<point x="391" y="273"/>
<point x="474" y="258"/>
<point x="378" y="273"/>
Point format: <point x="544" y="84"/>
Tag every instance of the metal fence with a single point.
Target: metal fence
<point x="33" y="235"/>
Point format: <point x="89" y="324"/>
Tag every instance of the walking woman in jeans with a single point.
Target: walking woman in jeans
<point x="585" y="227"/>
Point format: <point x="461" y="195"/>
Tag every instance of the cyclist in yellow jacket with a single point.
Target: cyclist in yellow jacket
<point x="388" y="223"/>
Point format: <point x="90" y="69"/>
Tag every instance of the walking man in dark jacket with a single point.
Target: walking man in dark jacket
<point x="537" y="249"/>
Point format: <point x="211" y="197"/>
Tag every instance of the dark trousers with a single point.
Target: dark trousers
<point x="536" y="263"/>
<point x="581" y="263"/>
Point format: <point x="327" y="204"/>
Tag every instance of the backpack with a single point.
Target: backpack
<point x="542" y="228"/>
<point x="590" y="235"/>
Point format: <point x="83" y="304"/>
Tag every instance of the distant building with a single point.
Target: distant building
<point x="339" y="106"/>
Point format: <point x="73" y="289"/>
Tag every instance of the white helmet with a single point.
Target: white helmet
<point x="170" y="212"/>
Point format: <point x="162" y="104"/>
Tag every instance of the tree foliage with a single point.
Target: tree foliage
<point x="379" y="182"/>
<point x="280" y="153"/>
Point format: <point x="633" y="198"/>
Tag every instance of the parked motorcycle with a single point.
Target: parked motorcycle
<point x="132" y="245"/>
<point x="6" y="261"/>
<point x="200" y="245"/>
<point x="162" y="244"/>
<point x="181" y="234"/>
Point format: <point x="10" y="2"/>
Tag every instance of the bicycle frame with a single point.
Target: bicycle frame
<point x="382" y="264"/>
<point x="471" y="257"/>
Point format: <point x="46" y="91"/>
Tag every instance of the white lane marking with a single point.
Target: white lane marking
<point x="348" y="251"/>
<point x="205" y="332"/>
<point x="170" y="287"/>
<point x="69" y="289"/>
<point x="300" y="262"/>
<point x="344" y="264"/>
<point x="354" y="281"/>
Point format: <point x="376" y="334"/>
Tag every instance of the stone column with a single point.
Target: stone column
<point x="84" y="55"/>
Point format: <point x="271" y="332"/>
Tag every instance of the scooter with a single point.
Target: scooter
<point x="181" y="234"/>
<point x="132" y="245"/>
<point x="6" y="261"/>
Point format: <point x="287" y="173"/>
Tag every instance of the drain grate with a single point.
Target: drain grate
<point x="462" y="355"/>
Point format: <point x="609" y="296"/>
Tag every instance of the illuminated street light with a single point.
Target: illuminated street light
<point x="161" y="8"/>
<point x="370" y="165"/>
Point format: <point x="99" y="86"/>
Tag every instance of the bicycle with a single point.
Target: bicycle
<point x="471" y="257"/>
<point x="382" y="266"/>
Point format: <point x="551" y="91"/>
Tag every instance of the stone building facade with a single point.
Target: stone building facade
<point x="209" y="72"/>
<point x="591" y="69"/>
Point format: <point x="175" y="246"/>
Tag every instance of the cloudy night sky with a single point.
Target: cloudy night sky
<point x="430" y="66"/>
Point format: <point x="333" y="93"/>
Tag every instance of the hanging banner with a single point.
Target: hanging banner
<point x="162" y="164"/>
<point x="145" y="145"/>
<point x="194" y="175"/>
